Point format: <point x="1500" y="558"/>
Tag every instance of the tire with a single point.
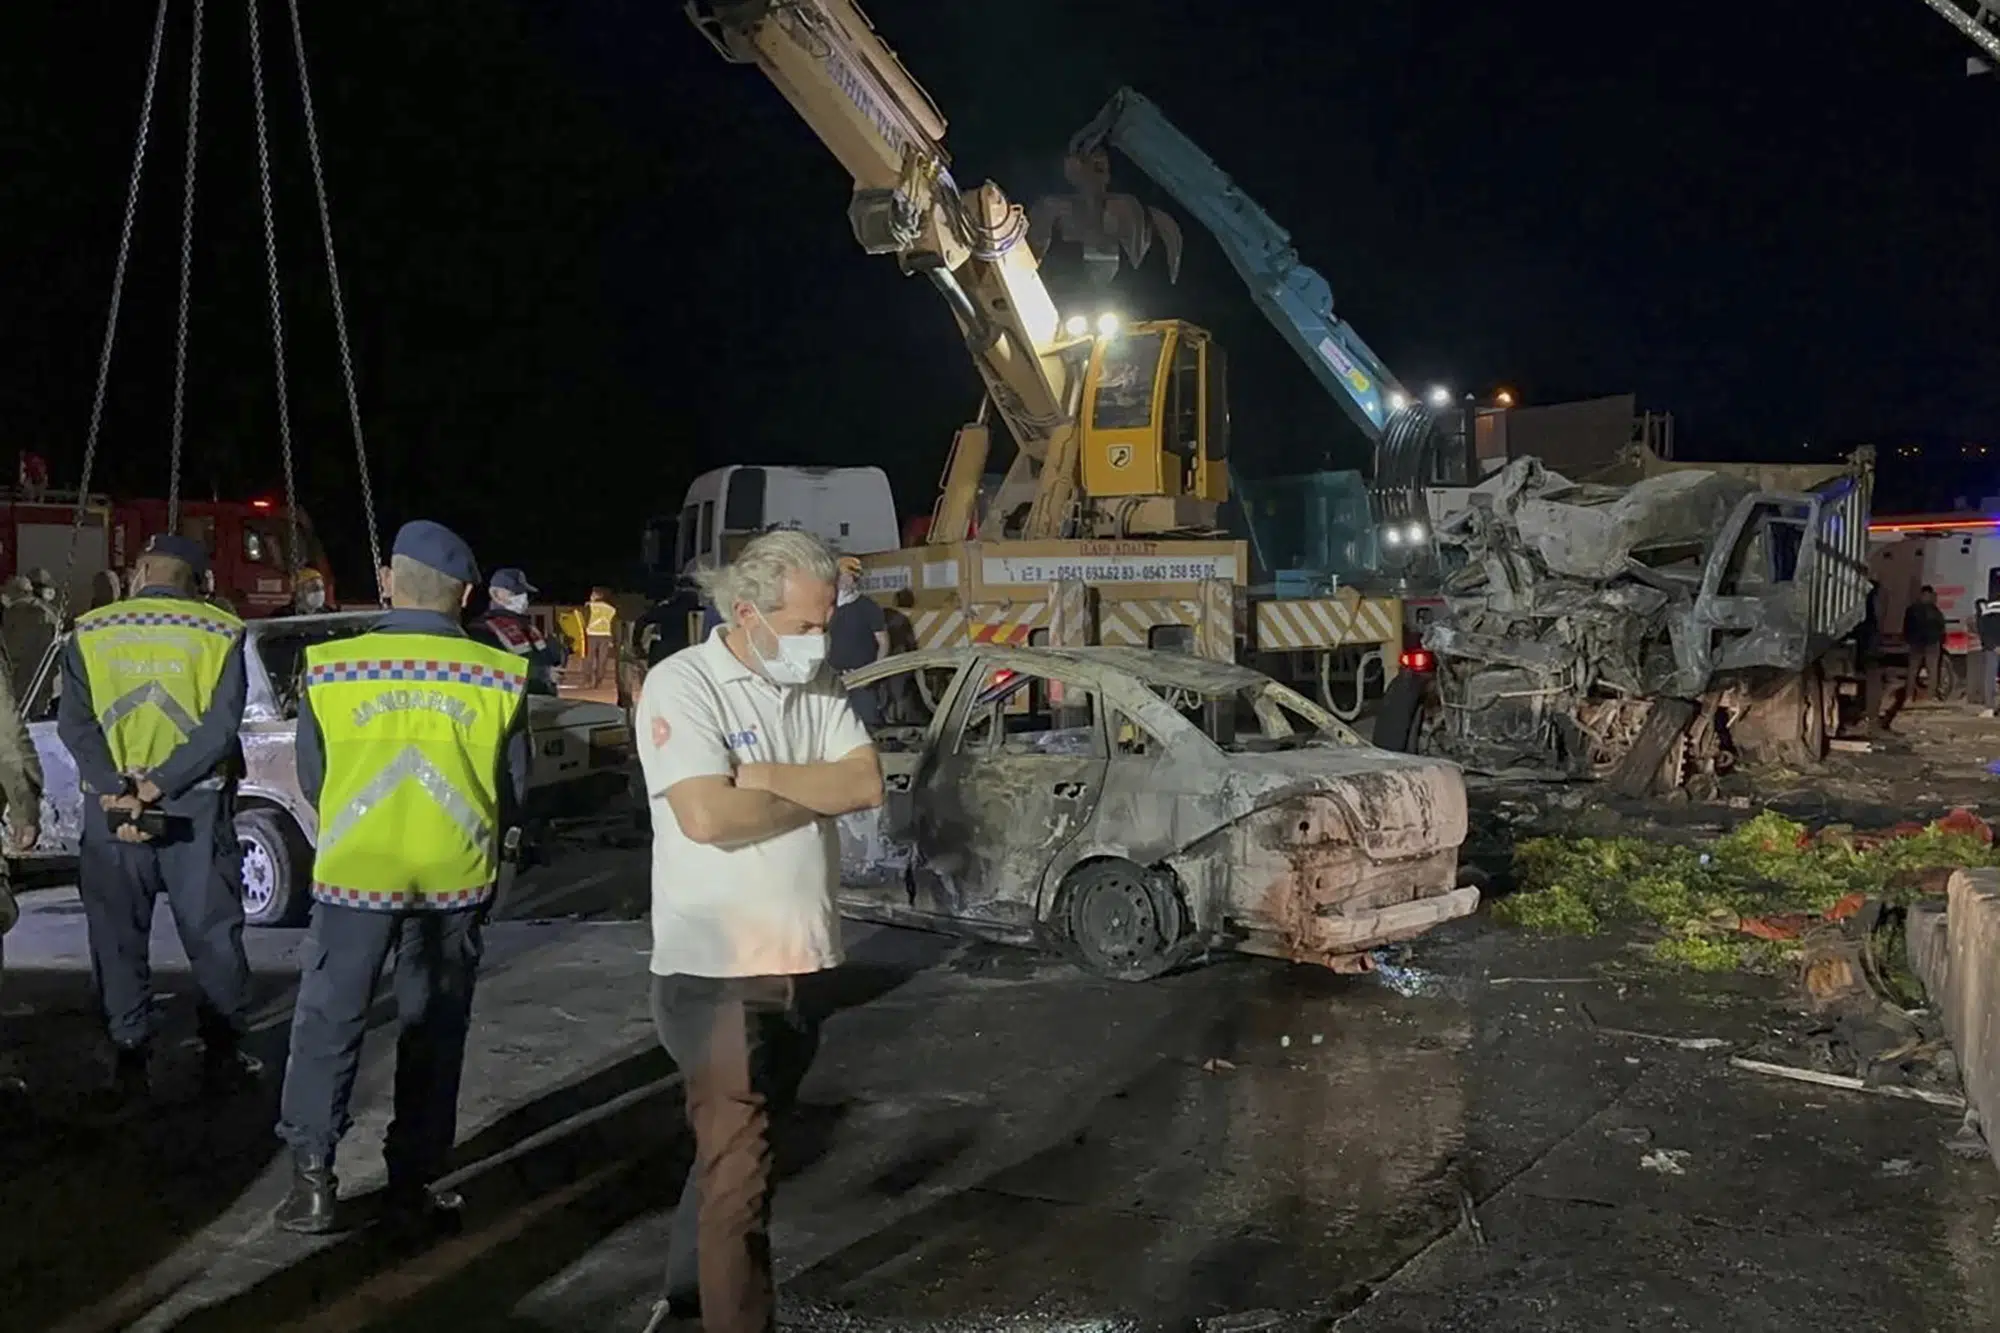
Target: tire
<point x="1122" y="921"/>
<point x="277" y="864"/>
<point x="1399" y="719"/>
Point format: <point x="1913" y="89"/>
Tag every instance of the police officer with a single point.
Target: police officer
<point x="152" y="697"/>
<point x="411" y="743"/>
<point x="507" y="625"/>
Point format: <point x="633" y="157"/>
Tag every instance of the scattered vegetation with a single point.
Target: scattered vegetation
<point x="1714" y="906"/>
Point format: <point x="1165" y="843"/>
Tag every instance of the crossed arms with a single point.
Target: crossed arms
<point x="763" y="800"/>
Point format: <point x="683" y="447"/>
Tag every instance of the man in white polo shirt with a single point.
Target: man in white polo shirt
<point x="750" y="751"/>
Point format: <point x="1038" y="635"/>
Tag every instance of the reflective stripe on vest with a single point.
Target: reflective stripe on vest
<point x="152" y="664"/>
<point x="413" y="727"/>
<point x="601" y="616"/>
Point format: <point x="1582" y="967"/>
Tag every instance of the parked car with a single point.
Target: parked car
<point x="582" y="754"/>
<point x="1138" y="808"/>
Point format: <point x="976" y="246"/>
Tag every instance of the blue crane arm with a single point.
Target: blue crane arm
<point x="1292" y="295"/>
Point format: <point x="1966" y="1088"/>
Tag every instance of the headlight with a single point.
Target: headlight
<point x="1440" y="396"/>
<point x="1415" y="534"/>
<point x="1107" y="325"/>
<point x="1392" y="536"/>
<point x="1076" y="326"/>
<point x="1397" y="402"/>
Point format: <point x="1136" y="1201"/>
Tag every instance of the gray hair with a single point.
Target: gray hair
<point x="418" y="586"/>
<point x="757" y="575"/>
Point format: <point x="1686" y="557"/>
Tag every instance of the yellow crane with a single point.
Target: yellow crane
<point x="1121" y="430"/>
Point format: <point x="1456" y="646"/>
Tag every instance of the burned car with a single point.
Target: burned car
<point x="582" y="758"/>
<point x="1138" y="808"/>
<point x="1650" y="634"/>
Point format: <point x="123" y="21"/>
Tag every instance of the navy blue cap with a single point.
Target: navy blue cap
<point x="438" y="547"/>
<point x="184" y="549"/>
<point x="512" y="580"/>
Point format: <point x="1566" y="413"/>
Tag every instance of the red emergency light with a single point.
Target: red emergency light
<point x="1418" y="659"/>
<point x="260" y="504"/>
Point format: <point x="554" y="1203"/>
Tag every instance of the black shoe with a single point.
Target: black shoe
<point x="421" y="1213"/>
<point x="227" y="1071"/>
<point x="309" y="1207"/>
<point x="130" y="1086"/>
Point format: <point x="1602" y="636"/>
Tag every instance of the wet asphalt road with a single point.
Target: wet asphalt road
<point x="995" y="1141"/>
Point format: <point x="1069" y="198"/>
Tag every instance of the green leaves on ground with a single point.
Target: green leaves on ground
<point x="1699" y="896"/>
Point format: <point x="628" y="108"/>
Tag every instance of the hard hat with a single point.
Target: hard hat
<point x="307" y="577"/>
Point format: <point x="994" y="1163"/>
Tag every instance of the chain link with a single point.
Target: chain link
<point x="339" y="305"/>
<point x="117" y="298"/>
<point x="292" y="561"/>
<point x="187" y="278"/>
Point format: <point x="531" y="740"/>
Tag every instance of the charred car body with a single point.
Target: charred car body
<point x="582" y="756"/>
<point x="1649" y="633"/>
<point x="1141" y="807"/>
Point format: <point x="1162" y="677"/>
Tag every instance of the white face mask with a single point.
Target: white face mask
<point x="314" y="600"/>
<point x="797" y="659"/>
<point x="848" y="592"/>
<point x="510" y="601"/>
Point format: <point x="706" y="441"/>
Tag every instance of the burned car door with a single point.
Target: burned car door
<point x="877" y="846"/>
<point x="1019" y="773"/>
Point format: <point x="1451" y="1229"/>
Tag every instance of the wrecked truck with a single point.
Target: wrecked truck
<point x="1650" y="634"/>
<point x="1136" y="809"/>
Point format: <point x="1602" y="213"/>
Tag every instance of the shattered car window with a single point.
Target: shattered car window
<point x="904" y="700"/>
<point x="1019" y="713"/>
<point x="283" y="652"/>
<point x="1259" y="716"/>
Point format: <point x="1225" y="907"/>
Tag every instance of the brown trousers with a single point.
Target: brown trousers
<point x="743" y="1047"/>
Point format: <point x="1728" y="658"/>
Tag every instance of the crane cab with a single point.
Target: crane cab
<point x="1155" y="417"/>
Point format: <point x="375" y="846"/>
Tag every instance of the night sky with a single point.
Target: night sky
<point x="585" y="259"/>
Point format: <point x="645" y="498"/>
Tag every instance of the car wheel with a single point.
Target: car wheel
<point x="1123" y="923"/>
<point x="1399" y="719"/>
<point x="276" y="864"/>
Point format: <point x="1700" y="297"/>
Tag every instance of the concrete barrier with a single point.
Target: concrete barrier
<point x="1957" y="954"/>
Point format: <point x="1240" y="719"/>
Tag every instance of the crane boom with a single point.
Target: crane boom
<point x="848" y="86"/>
<point x="1976" y="19"/>
<point x="1293" y="295"/>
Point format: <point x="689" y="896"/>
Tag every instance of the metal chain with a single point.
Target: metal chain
<point x="292" y="561"/>
<point x="187" y="278"/>
<point x="117" y="297"/>
<point x="339" y="305"/>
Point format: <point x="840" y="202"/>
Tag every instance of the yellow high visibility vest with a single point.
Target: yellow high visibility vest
<point x="413" y="727"/>
<point x="153" y="664"/>
<point x="601" y="616"/>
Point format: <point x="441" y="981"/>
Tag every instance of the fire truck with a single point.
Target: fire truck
<point x="246" y="541"/>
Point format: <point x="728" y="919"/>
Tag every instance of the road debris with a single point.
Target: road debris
<point x="1666" y="1161"/>
<point x="1969" y="1142"/>
<point x="1848" y="1082"/>
<point x="1747" y="898"/>
<point x="1218" y="1065"/>
<point x="1469" y="1215"/>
